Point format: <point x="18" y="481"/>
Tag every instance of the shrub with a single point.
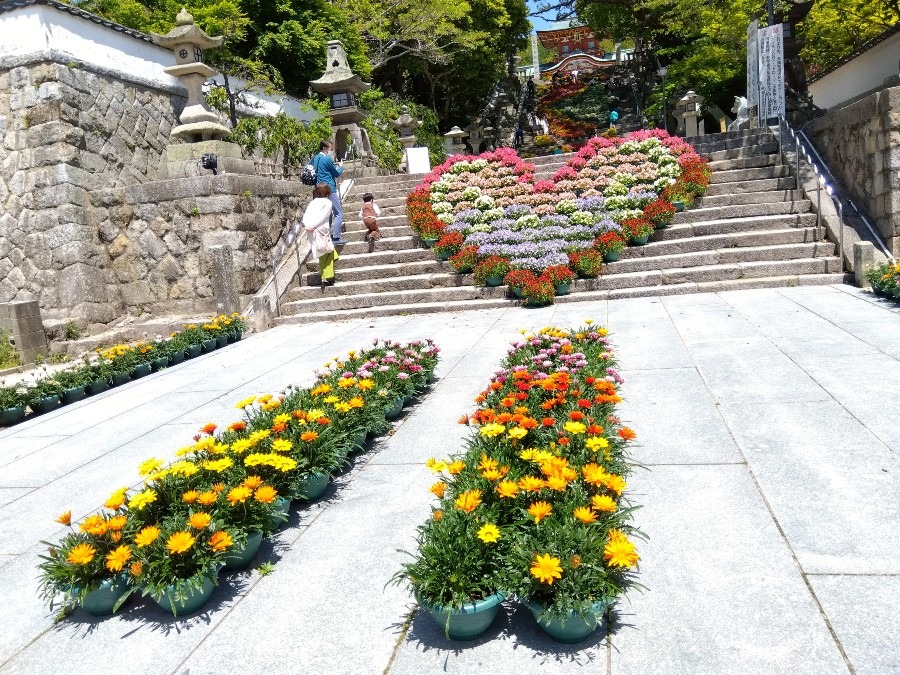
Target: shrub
<point x="492" y="266"/>
<point x="519" y="278"/>
<point x="432" y="229"/>
<point x="636" y="228"/>
<point x="659" y="212"/>
<point x="539" y="292"/>
<point x="450" y="242"/>
<point x="587" y="263"/>
<point x="558" y="274"/>
<point x="465" y="260"/>
<point x="544" y="140"/>
<point x="609" y="242"/>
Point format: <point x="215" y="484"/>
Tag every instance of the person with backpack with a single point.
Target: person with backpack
<point x="326" y="172"/>
<point x="613" y="118"/>
<point x="315" y="222"/>
<point x="369" y="214"/>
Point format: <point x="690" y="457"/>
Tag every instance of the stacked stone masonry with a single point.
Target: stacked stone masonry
<point x="861" y="143"/>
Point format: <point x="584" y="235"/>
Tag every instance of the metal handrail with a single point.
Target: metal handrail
<point x="804" y="147"/>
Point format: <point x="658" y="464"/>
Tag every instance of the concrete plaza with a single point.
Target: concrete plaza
<point x="768" y="425"/>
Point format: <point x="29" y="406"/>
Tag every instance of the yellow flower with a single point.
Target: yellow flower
<point x="604" y="503"/>
<point x="331" y="399"/>
<point x="184" y="468"/>
<point x="517" y="432"/>
<point x="252" y="482"/>
<point x="531" y="483"/>
<point x="142" y="499"/>
<point x="258" y="436"/>
<point x="116" y="523"/>
<point x="220" y="541"/>
<point x="491" y="474"/>
<point x="146" y="536"/>
<point x="342" y="407"/>
<point x="190" y="496"/>
<point x="65" y="518"/>
<point x="545" y="568"/>
<point x="180" y="542"/>
<point x="491" y="430"/>
<point x="207" y="498"/>
<point x="218" y="465"/>
<point x="574" y="427"/>
<point x="81" y="554"/>
<point x="148" y="466"/>
<point x="239" y="495"/>
<point x="595" y="443"/>
<point x="507" y="488"/>
<point x="356" y="402"/>
<point x="241" y="446"/>
<point x="557" y="483"/>
<point x="436" y="465"/>
<point x="438" y="489"/>
<point x="365" y="385"/>
<point x="456" y="467"/>
<point x="199" y="520"/>
<point x="619" y="551"/>
<point x="584" y="514"/>
<point x="117" y="558"/>
<point x="315" y="413"/>
<point x="489" y="533"/>
<point x="95" y="525"/>
<point x="468" y="501"/>
<point x="240" y="405"/>
<point x="540" y="510"/>
<point x="615" y="483"/>
<point x="589" y="321"/>
<point x="265" y="494"/>
<point x="283" y="418"/>
<point x="346" y="382"/>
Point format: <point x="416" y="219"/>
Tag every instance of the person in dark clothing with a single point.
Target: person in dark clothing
<point x="520" y="136"/>
<point x="326" y="172"/>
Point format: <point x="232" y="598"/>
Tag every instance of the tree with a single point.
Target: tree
<point x="834" y="29"/>
<point x="286" y="140"/>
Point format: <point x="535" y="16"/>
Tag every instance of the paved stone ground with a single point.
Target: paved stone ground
<point x="768" y="423"/>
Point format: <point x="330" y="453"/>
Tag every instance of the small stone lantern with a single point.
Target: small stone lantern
<point x="453" y="141"/>
<point x="475" y="137"/>
<point x="405" y="125"/>
<point x="689" y="114"/>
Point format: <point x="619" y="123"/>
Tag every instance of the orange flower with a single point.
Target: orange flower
<point x="627" y="434"/>
<point x="65" y="518"/>
<point x="220" y="541"/>
<point x="115" y="560"/>
<point x="199" y="520"/>
<point x="615" y="483"/>
<point x="548" y="421"/>
<point x="238" y="495"/>
<point x="531" y="483"/>
<point x="208" y="428"/>
<point x="115" y="502"/>
<point x="594" y="475"/>
<point x="528" y="423"/>
<point x="504" y="417"/>
<point x="116" y="523"/>
<point x="323" y="421"/>
<point x="265" y="494"/>
<point x="207" y="498"/>
<point x="279" y="427"/>
<point x="180" y="542"/>
<point x="576" y="562"/>
<point x="252" y="482"/>
<point x="437" y="514"/>
<point x="468" y="501"/>
<point x="584" y="514"/>
<point x="240" y="425"/>
<point x="218" y="487"/>
<point x="540" y="510"/>
<point x="507" y="488"/>
<point x="456" y="467"/>
<point x="146" y="536"/>
<point x="464" y="419"/>
<point x="438" y="489"/>
<point x="95" y="525"/>
<point x="136" y="568"/>
<point x="190" y="496"/>
<point x="309" y="436"/>
<point x="604" y="503"/>
<point x="492" y="474"/>
<point x="576" y="416"/>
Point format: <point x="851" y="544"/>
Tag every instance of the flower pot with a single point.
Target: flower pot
<point x="119" y="379"/>
<point x="313" y="486"/>
<point x="639" y="241"/>
<point x="467" y="623"/>
<point x="429" y="241"/>
<point x="194" y="599"/>
<point x="238" y="336"/>
<point x="563" y="289"/>
<point x="222" y="340"/>
<point x="209" y="345"/>
<point x="574" y="629"/>
<point x="160" y="363"/>
<point x="73" y="394"/>
<point x="679" y="206"/>
<point x="443" y="255"/>
<point x="465" y="270"/>
<point x="534" y="304"/>
<point x="97" y="387"/>
<point x="663" y="225"/>
<point x="193" y="351"/>
<point x="494" y="281"/>
<point x="240" y="558"/>
<point x="141" y="370"/>
<point x="611" y="256"/>
<point x="358" y="444"/>
<point x="392" y="411"/>
<point x="46" y="404"/>
<point x="11" y="416"/>
<point x="517" y="292"/>
<point x="281" y="512"/>
<point x="176" y="358"/>
<point x="102" y="599"/>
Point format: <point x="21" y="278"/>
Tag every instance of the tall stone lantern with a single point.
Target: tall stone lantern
<point x="689" y="114"/>
<point x="341" y="85"/>
<point x="405" y="125"/>
<point x="454" y="143"/>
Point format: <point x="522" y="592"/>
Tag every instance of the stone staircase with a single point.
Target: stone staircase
<point x="753" y="229"/>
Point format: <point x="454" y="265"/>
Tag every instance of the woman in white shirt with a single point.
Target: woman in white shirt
<point x="316" y="222"/>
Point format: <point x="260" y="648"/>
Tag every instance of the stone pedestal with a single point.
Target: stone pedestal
<point x="22" y="320"/>
<point x="183" y="160"/>
<point x="221" y="266"/>
<point x="863" y="258"/>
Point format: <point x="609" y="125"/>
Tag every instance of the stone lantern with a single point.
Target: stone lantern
<point x="475" y="137"/>
<point x="689" y="114"/>
<point x="405" y="125"/>
<point x="341" y="86"/>
<point x="453" y="141"/>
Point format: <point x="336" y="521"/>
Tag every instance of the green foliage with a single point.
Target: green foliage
<point x="265" y="569"/>
<point x="834" y="29"/>
<point x="71" y="330"/>
<point x="384" y="139"/>
<point x="9" y="357"/>
<point x="284" y="138"/>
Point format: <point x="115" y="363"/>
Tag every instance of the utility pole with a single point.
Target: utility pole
<point x="771" y="8"/>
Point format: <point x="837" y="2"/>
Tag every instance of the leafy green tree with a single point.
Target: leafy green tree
<point x="834" y="29"/>
<point x="384" y="139"/>
<point x="284" y="139"/>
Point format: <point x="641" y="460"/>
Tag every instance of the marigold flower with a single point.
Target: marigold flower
<point x="117" y="558"/>
<point x="252" y="482"/>
<point x="207" y="498"/>
<point x="81" y="554"/>
<point x="619" y="551"/>
<point x="489" y="533"/>
<point x="584" y="514"/>
<point x="531" y="483"/>
<point x="540" y="510"/>
<point x="199" y="520"/>
<point x="136" y="569"/>
<point x="220" y="541"/>
<point x="468" y="501"/>
<point x="265" y="494"/>
<point x="309" y="436"/>
<point x="142" y="499"/>
<point x="146" y="536"/>
<point x="604" y="503"/>
<point x="65" y="518"/>
<point x="545" y="568"/>
<point x="438" y="489"/>
<point x="180" y="542"/>
<point x="95" y="525"/>
<point x="238" y="495"/>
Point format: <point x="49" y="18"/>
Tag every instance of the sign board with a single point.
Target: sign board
<point x="771" y="72"/>
<point x="752" y="64"/>
<point x="417" y="161"/>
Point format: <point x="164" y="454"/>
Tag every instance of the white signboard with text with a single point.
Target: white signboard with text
<point x="752" y="64"/>
<point x="771" y="72"/>
<point x="417" y="161"/>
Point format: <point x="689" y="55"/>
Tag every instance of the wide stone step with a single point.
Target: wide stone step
<point x="743" y="186"/>
<point x="379" y="272"/>
<point x="740" y="175"/>
<point x="766" y="148"/>
<point x="394" y="310"/>
<point x="766" y="197"/>
<point x="383" y="244"/>
<point x="704" y="145"/>
<point x="386" y="192"/>
<point x="415" y="282"/>
<point x="358" y="234"/>
<point x="328" y="298"/>
<point x="389" y="207"/>
<point x="754" y="162"/>
<point x="395" y="179"/>
<point x="378" y="257"/>
<point x="728" y="225"/>
<point x="722" y="256"/>
<point x="705" y="213"/>
<point x="711" y="242"/>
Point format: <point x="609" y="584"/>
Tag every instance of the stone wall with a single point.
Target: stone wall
<point x="861" y="144"/>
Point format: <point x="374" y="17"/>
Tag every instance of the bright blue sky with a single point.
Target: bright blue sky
<point x="538" y="23"/>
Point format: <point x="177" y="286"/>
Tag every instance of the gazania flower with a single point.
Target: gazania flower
<point x="619" y="551"/>
<point x="116" y="523"/>
<point x="616" y="483"/>
<point x="507" y="488"/>
<point x="468" y="501"/>
<point x="95" y="525"/>
<point x="531" y="483"/>
<point x="240" y="425"/>
<point x="540" y="510"/>
<point x="517" y="432"/>
<point x="146" y="536"/>
<point x="557" y="483"/>
<point x="365" y="385"/>
<point x="218" y="465"/>
<point x="208" y="429"/>
<point x="217" y="487"/>
<point x="594" y="474"/>
<point x="437" y="514"/>
<point x="220" y="541"/>
<point x="487" y="463"/>
<point x="65" y="518"/>
<point x="142" y="499"/>
<point x="117" y="558"/>
<point x="136" y="569"/>
<point x="456" y="467"/>
<point x="627" y="434"/>
<point x="207" y="498"/>
<point x="585" y="514"/>
<point x="190" y="496"/>
<point x="604" y="503"/>
<point x="265" y="494"/>
<point x="148" y="466"/>
<point x="438" y="489"/>
<point x="489" y="533"/>
<point x="595" y="443"/>
<point x="282" y="445"/>
<point x="116" y="500"/>
<point x="309" y="436"/>
<point x="252" y="482"/>
<point x="575" y="427"/>
<point x="545" y="568"/>
<point x="576" y="561"/>
<point x="548" y="421"/>
<point x="492" y="474"/>
<point x="238" y="495"/>
<point x="180" y="542"/>
<point x="492" y="429"/>
<point x="81" y="554"/>
<point x="199" y="520"/>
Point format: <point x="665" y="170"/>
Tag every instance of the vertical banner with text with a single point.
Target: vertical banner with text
<point x="752" y="64"/>
<point x="771" y="72"/>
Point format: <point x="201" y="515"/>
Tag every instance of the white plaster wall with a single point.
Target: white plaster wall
<point x="861" y="75"/>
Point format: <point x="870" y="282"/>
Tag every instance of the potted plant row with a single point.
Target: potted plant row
<point x="209" y="509"/>
<point x="535" y="506"/>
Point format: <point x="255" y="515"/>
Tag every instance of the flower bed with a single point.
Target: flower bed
<point x="885" y="279"/>
<point x="492" y="203"/>
<point x="535" y="507"/>
<point x="114" y="366"/>
<point x="170" y="537"/>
